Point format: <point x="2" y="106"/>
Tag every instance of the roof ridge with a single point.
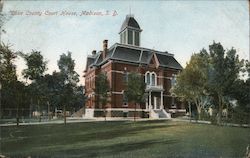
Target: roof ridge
<point x="144" y="49"/>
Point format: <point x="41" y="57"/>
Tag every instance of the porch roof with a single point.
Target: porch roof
<point x="154" y="88"/>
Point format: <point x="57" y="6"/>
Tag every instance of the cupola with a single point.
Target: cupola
<point x="130" y="32"/>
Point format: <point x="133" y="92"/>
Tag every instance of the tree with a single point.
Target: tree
<point x="13" y="92"/>
<point x="241" y="92"/>
<point x="8" y="76"/>
<point x="66" y="66"/>
<point x="135" y="90"/>
<point x="223" y="74"/>
<point x="191" y="83"/>
<point x="101" y="91"/>
<point x="69" y="79"/>
<point x="20" y="98"/>
<point x="36" y="67"/>
<point x="7" y="67"/>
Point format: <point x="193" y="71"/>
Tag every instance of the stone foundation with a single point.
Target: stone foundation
<point x="125" y="112"/>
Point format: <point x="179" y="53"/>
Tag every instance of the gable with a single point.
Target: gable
<point x="154" y="62"/>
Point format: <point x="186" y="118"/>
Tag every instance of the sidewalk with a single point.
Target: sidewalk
<point x="77" y="120"/>
<point x="209" y="122"/>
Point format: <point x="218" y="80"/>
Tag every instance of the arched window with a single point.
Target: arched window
<point x="147" y="78"/>
<point x="153" y="79"/>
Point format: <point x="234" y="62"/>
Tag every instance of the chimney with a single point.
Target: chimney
<point x="94" y="52"/>
<point x="105" y="48"/>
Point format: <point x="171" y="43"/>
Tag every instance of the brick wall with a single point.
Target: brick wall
<point x="115" y="71"/>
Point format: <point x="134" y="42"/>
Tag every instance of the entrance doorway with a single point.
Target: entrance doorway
<point x="157" y="103"/>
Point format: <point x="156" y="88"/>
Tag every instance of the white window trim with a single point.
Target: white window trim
<point x="126" y="37"/>
<point x="173" y="79"/>
<point x="146" y="74"/>
<point x="124" y="104"/>
<point x="150" y="78"/>
<point x="155" y="78"/>
<point x="133" y="38"/>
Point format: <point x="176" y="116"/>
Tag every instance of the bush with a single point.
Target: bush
<point x="240" y="116"/>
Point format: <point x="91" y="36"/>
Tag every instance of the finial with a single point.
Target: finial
<point x="129" y="10"/>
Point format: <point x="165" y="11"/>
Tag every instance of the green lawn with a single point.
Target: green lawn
<point x="125" y="139"/>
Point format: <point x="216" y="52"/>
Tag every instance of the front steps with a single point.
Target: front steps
<point x="159" y="113"/>
<point x="79" y="113"/>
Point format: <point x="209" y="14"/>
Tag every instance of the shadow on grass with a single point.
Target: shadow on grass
<point x="42" y="136"/>
<point x="110" y="150"/>
<point x="99" y="135"/>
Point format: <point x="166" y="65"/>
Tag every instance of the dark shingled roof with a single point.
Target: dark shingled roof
<point x="122" y="53"/>
<point x="132" y="54"/>
<point x="129" y="22"/>
<point x="168" y="61"/>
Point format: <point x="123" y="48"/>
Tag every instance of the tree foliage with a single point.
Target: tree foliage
<point x="102" y="89"/>
<point x="210" y="77"/>
<point x="7" y="66"/>
<point x="36" y="65"/>
<point x="13" y="92"/>
<point x="66" y="66"/>
<point x="68" y="79"/>
<point x="45" y="91"/>
<point x="135" y="89"/>
<point x="192" y="81"/>
<point x="223" y="74"/>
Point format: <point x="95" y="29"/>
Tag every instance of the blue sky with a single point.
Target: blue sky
<point x="179" y="27"/>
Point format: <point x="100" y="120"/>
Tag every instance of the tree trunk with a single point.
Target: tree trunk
<point x="199" y="112"/>
<point x="48" y="110"/>
<point x="198" y="107"/>
<point x="105" y="117"/>
<point x="227" y="113"/>
<point x="1" y="110"/>
<point x="64" y="114"/>
<point x="31" y="103"/>
<point x="190" y="113"/>
<point x="220" y="110"/>
<point x="17" y="109"/>
<point x="135" y="113"/>
<point x="39" y="110"/>
<point x="17" y="116"/>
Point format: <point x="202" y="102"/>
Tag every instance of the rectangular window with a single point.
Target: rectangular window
<point x="121" y="38"/>
<point x="173" y="81"/>
<point x="125" y="100"/>
<point x="130" y="37"/>
<point x="124" y="36"/>
<point x="153" y="80"/>
<point x="148" y="78"/>
<point x="125" y="77"/>
<point x="137" y="38"/>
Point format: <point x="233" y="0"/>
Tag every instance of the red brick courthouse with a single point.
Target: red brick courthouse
<point x="117" y="61"/>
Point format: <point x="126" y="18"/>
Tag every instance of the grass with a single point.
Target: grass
<point x="125" y="139"/>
